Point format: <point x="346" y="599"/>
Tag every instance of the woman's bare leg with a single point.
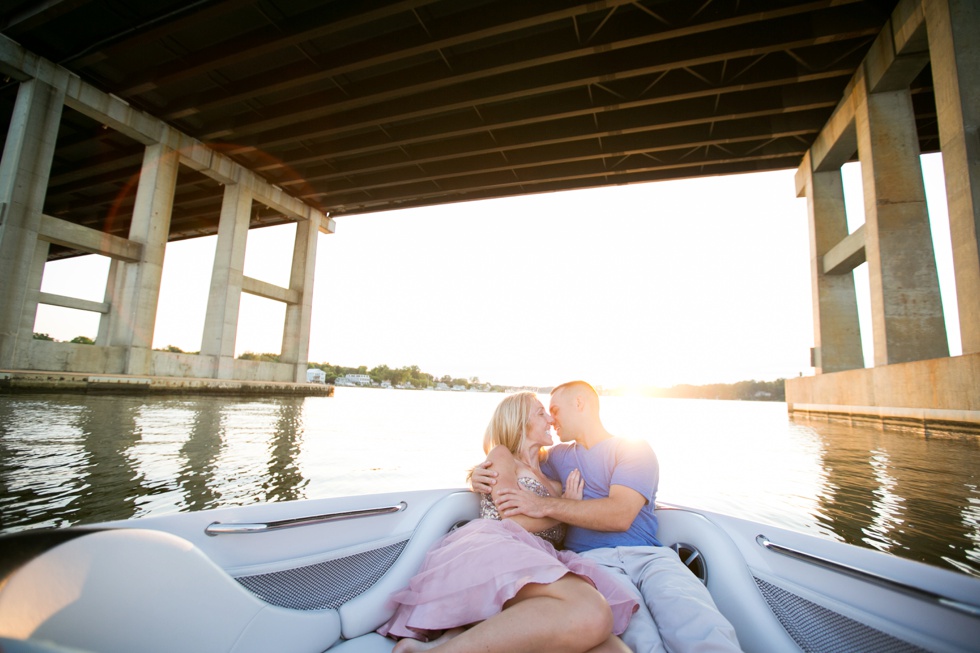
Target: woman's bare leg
<point x="566" y="616"/>
<point x="414" y="645"/>
<point x="611" y="645"/>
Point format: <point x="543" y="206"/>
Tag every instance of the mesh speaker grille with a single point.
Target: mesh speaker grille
<point x="819" y="630"/>
<point x="324" y="585"/>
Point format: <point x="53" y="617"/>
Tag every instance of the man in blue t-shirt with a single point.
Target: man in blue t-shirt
<point x="615" y="525"/>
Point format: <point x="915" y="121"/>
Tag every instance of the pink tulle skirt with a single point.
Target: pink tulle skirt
<point x="468" y="576"/>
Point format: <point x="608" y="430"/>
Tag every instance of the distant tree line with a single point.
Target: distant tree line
<point x="266" y="358"/>
<point x="397" y="376"/>
<point x="79" y="340"/>
<point x="743" y="390"/>
<point x="85" y="340"/>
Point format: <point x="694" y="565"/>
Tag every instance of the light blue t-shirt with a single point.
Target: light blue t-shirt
<point x="615" y="461"/>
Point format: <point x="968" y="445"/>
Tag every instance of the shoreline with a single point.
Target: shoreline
<point x="22" y="381"/>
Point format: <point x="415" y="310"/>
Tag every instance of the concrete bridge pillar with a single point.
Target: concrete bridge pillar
<point x="134" y="309"/>
<point x="914" y="380"/>
<point x="836" y="331"/>
<point x="24" y="172"/>
<point x="906" y="309"/>
<point x="128" y="312"/>
<point x="296" y="331"/>
<point x="104" y="334"/>
<point x="224" y="300"/>
<point x="953" y="27"/>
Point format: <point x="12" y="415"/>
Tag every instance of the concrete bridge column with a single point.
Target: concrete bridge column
<point x="224" y="300"/>
<point x="24" y="172"/>
<point x="104" y="334"/>
<point x="138" y="284"/>
<point x="953" y="27"/>
<point x="29" y="315"/>
<point x="907" y="314"/>
<point x="836" y="330"/>
<point x="296" y="332"/>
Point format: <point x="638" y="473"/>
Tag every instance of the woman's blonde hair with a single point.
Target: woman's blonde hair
<point x="508" y="426"/>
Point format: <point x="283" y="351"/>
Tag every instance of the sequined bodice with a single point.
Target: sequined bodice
<point x="554" y="535"/>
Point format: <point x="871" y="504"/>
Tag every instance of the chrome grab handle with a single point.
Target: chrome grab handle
<point x="217" y="528"/>
<point x="862" y="574"/>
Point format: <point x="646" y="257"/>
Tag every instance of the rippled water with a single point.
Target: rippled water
<point x="71" y="459"/>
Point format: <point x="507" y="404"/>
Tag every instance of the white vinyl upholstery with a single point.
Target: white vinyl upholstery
<point x="130" y="590"/>
<point x="370" y="643"/>
<point x="368" y="611"/>
<point x="729" y="581"/>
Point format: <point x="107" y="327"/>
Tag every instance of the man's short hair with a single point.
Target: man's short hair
<point x="580" y="386"/>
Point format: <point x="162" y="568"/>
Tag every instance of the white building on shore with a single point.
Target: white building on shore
<point x="316" y="376"/>
<point x="353" y="379"/>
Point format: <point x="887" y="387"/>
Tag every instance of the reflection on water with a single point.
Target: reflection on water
<point x="81" y="459"/>
<point x="905" y="494"/>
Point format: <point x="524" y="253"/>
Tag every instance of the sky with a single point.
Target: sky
<point x="690" y="281"/>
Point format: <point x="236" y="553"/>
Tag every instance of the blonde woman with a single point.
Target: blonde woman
<point x="501" y="585"/>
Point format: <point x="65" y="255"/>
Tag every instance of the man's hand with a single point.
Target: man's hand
<point x="512" y="502"/>
<point x="612" y="514"/>
<point x="483" y="478"/>
<point x="574" y="486"/>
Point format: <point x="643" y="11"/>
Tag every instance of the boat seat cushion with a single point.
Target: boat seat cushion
<point x="370" y="643"/>
<point x="367" y="612"/>
<point x="141" y="590"/>
<point x="8" y="645"/>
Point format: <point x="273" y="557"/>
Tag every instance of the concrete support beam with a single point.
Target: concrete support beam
<point x="327" y="225"/>
<point x="836" y="330"/>
<point x="296" y="332"/>
<point x="847" y="254"/>
<point x="836" y="143"/>
<point x="276" y="198"/>
<point x="908" y="28"/>
<point x="271" y="291"/>
<point x="953" y="28"/>
<point x="93" y="241"/>
<point x="138" y="285"/>
<point x="72" y="302"/>
<point x="224" y="300"/>
<point x="24" y="172"/>
<point x="906" y="310"/>
<point x="900" y="52"/>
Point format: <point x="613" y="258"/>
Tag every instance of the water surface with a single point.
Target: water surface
<point x="76" y="459"/>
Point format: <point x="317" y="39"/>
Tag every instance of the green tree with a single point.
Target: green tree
<point x="252" y="356"/>
<point x="82" y="340"/>
<point x="42" y="336"/>
<point x="380" y="373"/>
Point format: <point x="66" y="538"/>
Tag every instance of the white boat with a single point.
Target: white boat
<point x="309" y="576"/>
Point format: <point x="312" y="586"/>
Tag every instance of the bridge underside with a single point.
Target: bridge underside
<point x="355" y="107"/>
<point x="130" y="126"/>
